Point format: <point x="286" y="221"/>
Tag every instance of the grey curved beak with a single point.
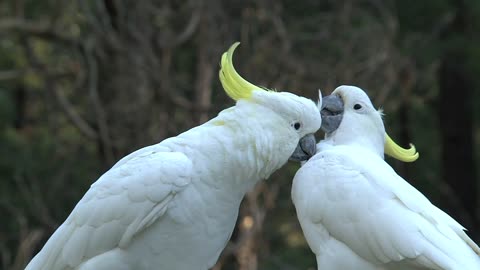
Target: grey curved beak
<point x="306" y="148"/>
<point x="331" y="112"/>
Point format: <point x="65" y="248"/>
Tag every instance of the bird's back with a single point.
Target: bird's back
<point x="376" y="214"/>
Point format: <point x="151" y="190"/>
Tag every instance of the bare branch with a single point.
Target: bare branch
<point x="74" y="117"/>
<point x="36" y="29"/>
<point x="187" y="32"/>
<point x="97" y="104"/>
<point x="11" y="74"/>
<point x="51" y="85"/>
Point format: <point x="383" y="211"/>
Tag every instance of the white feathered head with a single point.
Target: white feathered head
<point x="348" y="116"/>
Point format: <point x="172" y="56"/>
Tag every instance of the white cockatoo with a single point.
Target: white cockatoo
<point x="357" y="213"/>
<point x="173" y="205"/>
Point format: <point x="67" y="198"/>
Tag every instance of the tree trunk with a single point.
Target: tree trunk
<point x="20" y="99"/>
<point x="455" y="117"/>
<point x="407" y="83"/>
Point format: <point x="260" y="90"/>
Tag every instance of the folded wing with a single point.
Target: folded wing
<point x="360" y="201"/>
<point x="124" y="201"/>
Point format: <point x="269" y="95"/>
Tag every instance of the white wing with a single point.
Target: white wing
<point x="360" y="201"/>
<point x="122" y="202"/>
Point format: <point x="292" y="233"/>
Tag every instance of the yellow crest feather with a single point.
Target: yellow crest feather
<point x="394" y="150"/>
<point x="233" y="84"/>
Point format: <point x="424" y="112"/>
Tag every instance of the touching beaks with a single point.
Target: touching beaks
<point x="306" y="148"/>
<point x="331" y="112"/>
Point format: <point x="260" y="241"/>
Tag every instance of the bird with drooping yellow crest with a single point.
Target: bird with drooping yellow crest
<point x="174" y="205"/>
<point x="357" y="213"/>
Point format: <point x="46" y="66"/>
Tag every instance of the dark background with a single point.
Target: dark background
<point x="83" y="83"/>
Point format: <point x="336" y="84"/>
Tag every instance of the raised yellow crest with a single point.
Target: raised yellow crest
<point x="234" y="85"/>
<point x="394" y="150"/>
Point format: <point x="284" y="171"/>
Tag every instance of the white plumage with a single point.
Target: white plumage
<point x="357" y="213"/>
<point x="173" y="205"/>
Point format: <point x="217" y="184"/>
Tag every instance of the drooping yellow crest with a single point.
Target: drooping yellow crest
<point x="235" y="86"/>
<point x="394" y="150"/>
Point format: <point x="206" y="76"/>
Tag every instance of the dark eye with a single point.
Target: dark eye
<point x="357" y="106"/>
<point x="297" y="125"/>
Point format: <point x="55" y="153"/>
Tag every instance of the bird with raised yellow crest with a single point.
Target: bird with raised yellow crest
<point x="357" y="213"/>
<point x="173" y="205"/>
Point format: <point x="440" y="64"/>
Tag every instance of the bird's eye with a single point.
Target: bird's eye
<point x="357" y="106"/>
<point x="297" y="125"/>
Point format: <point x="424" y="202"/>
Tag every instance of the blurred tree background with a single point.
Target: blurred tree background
<point x="83" y="83"/>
